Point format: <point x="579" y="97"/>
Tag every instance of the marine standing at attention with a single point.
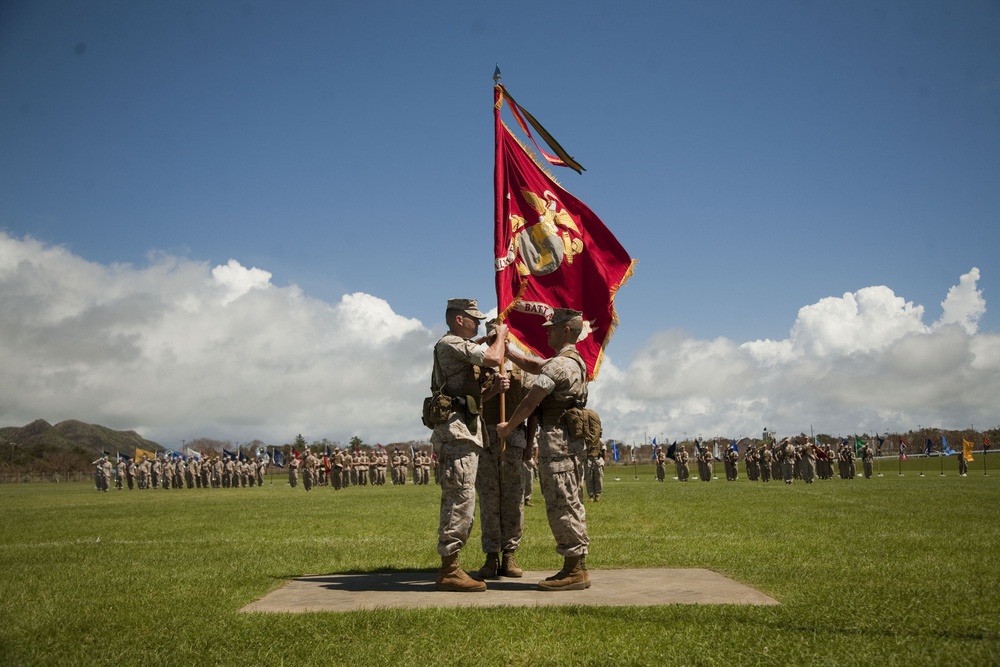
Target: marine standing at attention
<point x="561" y="384"/>
<point x="499" y="483"/>
<point x="458" y="440"/>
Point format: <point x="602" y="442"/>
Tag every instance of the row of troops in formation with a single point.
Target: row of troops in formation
<point x="479" y="452"/>
<point x="175" y="473"/>
<point x="785" y="460"/>
<point x="341" y="469"/>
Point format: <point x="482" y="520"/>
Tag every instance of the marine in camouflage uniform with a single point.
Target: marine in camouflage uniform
<point x="661" y="465"/>
<point x="704" y="458"/>
<point x="594" y="472"/>
<point x="561" y="384"/>
<point x="498" y="480"/>
<point x="100" y="481"/>
<point x="808" y="462"/>
<point x="395" y="463"/>
<point x="684" y="465"/>
<point x="766" y="459"/>
<point x="458" y="440"/>
<point x="309" y="465"/>
<point x="732" y="458"/>
<point x="867" y="460"/>
<point x="787" y="457"/>
<point x="293" y="471"/>
<point x="751" y="463"/>
<point x="345" y="472"/>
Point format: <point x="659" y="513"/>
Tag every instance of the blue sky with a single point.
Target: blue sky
<point x="756" y="158"/>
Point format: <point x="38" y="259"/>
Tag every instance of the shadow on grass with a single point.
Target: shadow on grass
<point x="400" y="581"/>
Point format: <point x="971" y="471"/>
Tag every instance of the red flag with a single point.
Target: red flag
<point x="550" y="251"/>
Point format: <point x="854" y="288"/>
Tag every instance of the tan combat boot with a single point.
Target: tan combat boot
<point x="453" y="578"/>
<point x="508" y="566"/>
<point x="571" y="577"/>
<point x="583" y="566"/>
<point x="491" y="568"/>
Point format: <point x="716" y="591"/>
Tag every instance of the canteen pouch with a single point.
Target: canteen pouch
<point x="437" y="409"/>
<point x="584" y="424"/>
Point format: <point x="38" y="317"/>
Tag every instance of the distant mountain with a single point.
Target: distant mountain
<point x="66" y="446"/>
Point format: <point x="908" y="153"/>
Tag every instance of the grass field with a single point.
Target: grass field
<point x="898" y="570"/>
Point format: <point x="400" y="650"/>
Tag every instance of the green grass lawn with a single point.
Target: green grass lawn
<point x="898" y="570"/>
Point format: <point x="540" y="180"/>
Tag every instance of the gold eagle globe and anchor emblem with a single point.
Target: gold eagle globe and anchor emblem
<point x="553" y="238"/>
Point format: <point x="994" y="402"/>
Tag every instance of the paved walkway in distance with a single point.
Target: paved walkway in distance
<point x="414" y="590"/>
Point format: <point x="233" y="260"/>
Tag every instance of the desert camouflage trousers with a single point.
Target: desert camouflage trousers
<point x="459" y="465"/>
<point x="560" y="473"/>
<point x="501" y="492"/>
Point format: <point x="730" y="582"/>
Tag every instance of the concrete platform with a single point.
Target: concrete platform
<point x="415" y="590"/>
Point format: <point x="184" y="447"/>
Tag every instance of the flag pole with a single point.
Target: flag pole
<point x="497" y="207"/>
<point x="942" y="461"/>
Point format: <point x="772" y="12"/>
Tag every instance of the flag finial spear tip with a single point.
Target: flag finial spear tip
<point x="496" y="74"/>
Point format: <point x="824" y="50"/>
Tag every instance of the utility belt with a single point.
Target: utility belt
<point x="551" y="415"/>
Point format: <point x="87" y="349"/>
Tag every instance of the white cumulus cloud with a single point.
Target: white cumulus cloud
<point x="865" y="361"/>
<point x="177" y="350"/>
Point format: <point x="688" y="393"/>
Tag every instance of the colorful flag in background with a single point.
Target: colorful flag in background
<point x="550" y="250"/>
<point x="139" y="453"/>
<point x="226" y="454"/>
<point x="967" y="450"/>
<point x="928" y="448"/>
<point x="986" y="442"/>
<point x="672" y="451"/>
<point x="902" y="449"/>
<point x="278" y="458"/>
<point x="945" y="449"/>
<point x="614" y="450"/>
<point x="859" y="444"/>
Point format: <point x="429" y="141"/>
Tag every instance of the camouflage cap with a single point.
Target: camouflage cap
<point x="563" y="316"/>
<point x="468" y="306"/>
